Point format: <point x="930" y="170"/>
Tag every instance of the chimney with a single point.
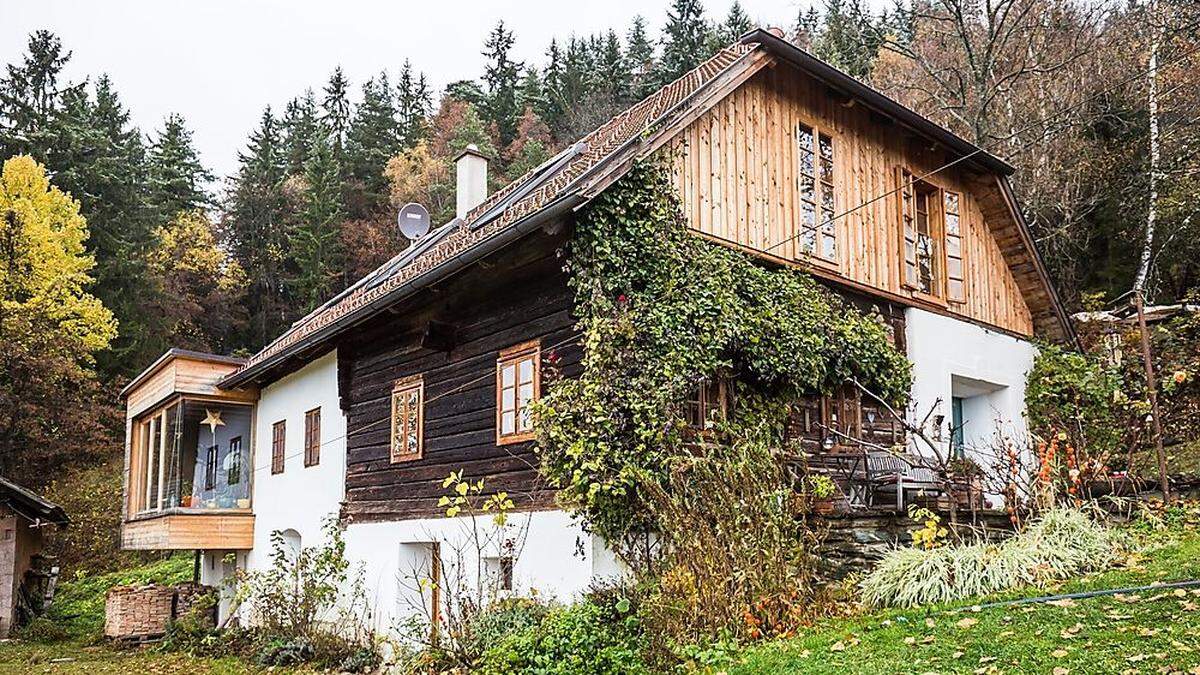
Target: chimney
<point x="471" y="180"/>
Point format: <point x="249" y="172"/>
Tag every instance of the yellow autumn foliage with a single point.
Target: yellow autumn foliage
<point x="44" y="265"/>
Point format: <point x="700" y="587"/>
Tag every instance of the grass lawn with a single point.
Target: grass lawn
<point x="79" y="612"/>
<point x="1151" y="632"/>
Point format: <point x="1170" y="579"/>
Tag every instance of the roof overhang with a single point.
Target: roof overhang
<point x="876" y="100"/>
<point x="30" y="506"/>
<point x="171" y="355"/>
<point x="315" y="339"/>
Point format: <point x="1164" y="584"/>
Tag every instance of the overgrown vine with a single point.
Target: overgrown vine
<point x="660" y="311"/>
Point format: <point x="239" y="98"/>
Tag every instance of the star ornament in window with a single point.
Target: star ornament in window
<point x="213" y="420"/>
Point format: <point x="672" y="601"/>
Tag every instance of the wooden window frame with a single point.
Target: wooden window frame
<point x="401" y="389"/>
<point x="278" y="447"/>
<point x="957" y="236"/>
<point x="312" y="437"/>
<point x="819" y="227"/>
<point x="910" y="182"/>
<point x="712" y="400"/>
<point x="841" y="410"/>
<point x="526" y="351"/>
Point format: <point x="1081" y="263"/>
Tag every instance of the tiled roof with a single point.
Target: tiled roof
<point x="532" y="192"/>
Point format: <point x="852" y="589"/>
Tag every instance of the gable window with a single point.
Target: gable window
<point x="278" y="440"/>
<point x="312" y="437"/>
<point x="408" y="418"/>
<point x="955" y="284"/>
<point x="710" y="401"/>
<point x="921" y="220"/>
<point x="518" y="384"/>
<point x="818" y="234"/>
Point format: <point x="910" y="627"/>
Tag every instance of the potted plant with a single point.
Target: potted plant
<point x="966" y="480"/>
<point x="826" y="497"/>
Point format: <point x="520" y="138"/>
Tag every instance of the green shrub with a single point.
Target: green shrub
<point x="79" y="602"/>
<point x="1061" y="544"/>
<point x="500" y="620"/>
<point x="44" y="630"/>
<point x="584" y="638"/>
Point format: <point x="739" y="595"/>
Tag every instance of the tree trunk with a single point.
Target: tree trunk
<point x="1139" y="284"/>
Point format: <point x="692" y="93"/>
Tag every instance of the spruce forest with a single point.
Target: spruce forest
<point x="224" y="264"/>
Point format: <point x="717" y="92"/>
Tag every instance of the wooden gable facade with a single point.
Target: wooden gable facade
<point x="743" y="170"/>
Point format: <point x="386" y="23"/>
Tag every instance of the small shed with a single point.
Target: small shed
<point x="24" y="583"/>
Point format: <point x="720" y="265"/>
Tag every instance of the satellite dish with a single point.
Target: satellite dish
<point x="413" y="221"/>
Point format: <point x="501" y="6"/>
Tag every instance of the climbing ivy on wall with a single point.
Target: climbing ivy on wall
<point x="660" y="311"/>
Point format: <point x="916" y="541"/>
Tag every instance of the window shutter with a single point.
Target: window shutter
<point x="908" y="226"/>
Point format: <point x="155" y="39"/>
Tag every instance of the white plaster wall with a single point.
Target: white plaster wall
<point x="558" y="559"/>
<point x="301" y="497"/>
<point x="947" y="354"/>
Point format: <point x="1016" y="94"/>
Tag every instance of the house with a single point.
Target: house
<point x="427" y="365"/>
<point x="25" y="581"/>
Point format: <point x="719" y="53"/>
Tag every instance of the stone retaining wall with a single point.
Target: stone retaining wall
<point x="854" y="542"/>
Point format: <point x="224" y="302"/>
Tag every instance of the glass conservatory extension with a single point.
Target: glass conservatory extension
<point x="190" y="455"/>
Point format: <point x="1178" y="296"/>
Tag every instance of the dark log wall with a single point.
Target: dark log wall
<point x="520" y="295"/>
<point x="451" y="335"/>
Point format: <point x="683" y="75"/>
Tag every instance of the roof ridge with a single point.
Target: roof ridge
<point x="598" y="145"/>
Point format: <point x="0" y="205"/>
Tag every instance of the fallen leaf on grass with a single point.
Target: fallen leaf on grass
<point x="1065" y="602"/>
<point x="1061" y="671"/>
<point x="967" y="622"/>
<point x="1059" y="653"/>
<point x="838" y="646"/>
<point x="1072" y="632"/>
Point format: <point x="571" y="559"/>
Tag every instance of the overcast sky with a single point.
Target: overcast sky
<point x="219" y="62"/>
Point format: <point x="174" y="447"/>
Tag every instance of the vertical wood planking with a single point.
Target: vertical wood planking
<point x="739" y="181"/>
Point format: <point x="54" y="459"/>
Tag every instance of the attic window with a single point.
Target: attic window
<point x="818" y="232"/>
<point x="920" y="216"/>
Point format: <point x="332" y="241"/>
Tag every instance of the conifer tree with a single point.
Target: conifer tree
<point x="686" y="41"/>
<point x="30" y="98"/>
<point x="335" y="111"/>
<point x="254" y="228"/>
<point x="370" y="142"/>
<point x="178" y="181"/>
<point x="529" y="92"/>
<point x="500" y="76"/>
<point x="847" y="38"/>
<point x="612" y="73"/>
<point x="639" y="58"/>
<point x="412" y="106"/>
<point x="552" y="106"/>
<point x="736" y="24"/>
<point x="300" y="129"/>
<point x="316" y="257"/>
